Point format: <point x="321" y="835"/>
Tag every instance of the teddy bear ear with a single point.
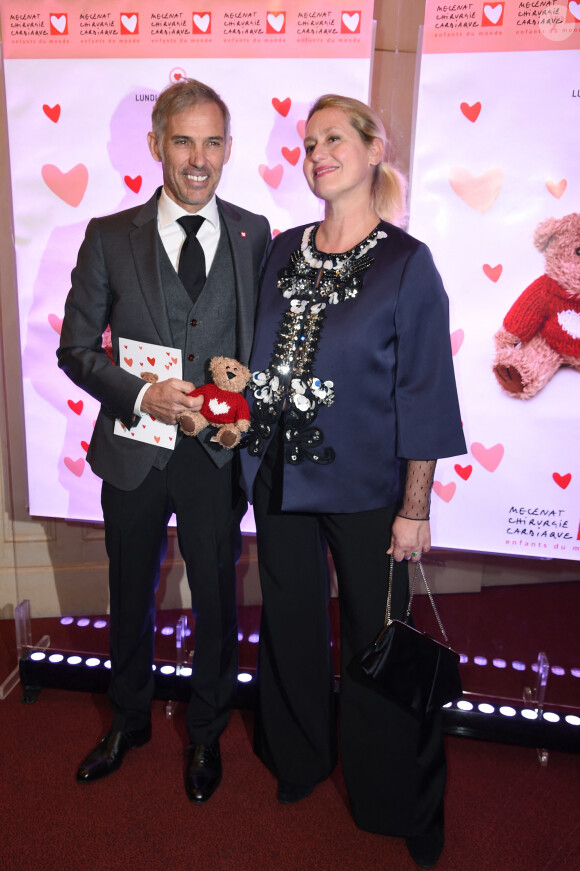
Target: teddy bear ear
<point x="544" y="233"/>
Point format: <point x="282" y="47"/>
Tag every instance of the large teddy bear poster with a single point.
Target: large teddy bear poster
<point x="496" y="195"/>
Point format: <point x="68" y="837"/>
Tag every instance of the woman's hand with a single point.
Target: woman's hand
<point x="409" y="539"/>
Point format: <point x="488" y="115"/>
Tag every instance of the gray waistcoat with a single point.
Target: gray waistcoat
<point x="204" y="330"/>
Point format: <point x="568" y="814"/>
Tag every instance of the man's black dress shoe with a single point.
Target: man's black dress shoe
<point x="425" y="849"/>
<point x="288" y="792"/>
<point x="108" y="754"/>
<point x="203" y="771"/>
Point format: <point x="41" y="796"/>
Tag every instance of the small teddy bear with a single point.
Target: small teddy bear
<point x="223" y="405"/>
<point x="541" y="331"/>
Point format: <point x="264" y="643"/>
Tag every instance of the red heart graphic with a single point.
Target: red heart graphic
<point x="273" y="176"/>
<point x="69" y="186"/>
<point x="301" y="127"/>
<point x="133" y="434"/>
<point x="275" y="233"/>
<point x="77" y="467"/>
<point x="85" y="446"/>
<point x="167" y="365"/>
<point x="463" y="471"/>
<point x="445" y="491"/>
<point x="128" y="361"/>
<point x="157" y="439"/>
<point x="151" y="361"/>
<point x="144" y="425"/>
<point x="134" y="184"/>
<point x="471" y="112"/>
<point x="52" y="112"/>
<point x="493" y="272"/>
<point x="291" y="156"/>
<point x="151" y="416"/>
<point x="282" y="106"/>
<point x="174" y="359"/>
<point x="562" y="480"/>
<point x="170" y="438"/>
<point x="77" y="407"/>
<point x="56" y="323"/>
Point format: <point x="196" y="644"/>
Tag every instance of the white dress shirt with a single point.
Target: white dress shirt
<point x="173" y="236"/>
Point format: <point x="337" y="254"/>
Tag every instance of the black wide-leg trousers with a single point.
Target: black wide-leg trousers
<point x="393" y="763"/>
<point x="208" y="506"/>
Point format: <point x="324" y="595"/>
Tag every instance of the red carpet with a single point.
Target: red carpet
<point x="504" y="811"/>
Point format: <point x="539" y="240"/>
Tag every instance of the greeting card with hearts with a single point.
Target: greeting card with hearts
<point x="151" y="363"/>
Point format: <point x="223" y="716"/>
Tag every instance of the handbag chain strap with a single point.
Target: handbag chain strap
<point x="418" y="568"/>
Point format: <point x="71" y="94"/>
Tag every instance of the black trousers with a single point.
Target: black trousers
<point x="394" y="764"/>
<point x="208" y="506"/>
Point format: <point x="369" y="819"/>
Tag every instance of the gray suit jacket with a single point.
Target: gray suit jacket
<point x="117" y="281"/>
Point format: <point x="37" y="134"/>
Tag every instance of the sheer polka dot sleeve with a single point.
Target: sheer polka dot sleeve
<point x="418" y="485"/>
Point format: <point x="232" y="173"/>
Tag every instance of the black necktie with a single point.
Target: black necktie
<point x="191" y="258"/>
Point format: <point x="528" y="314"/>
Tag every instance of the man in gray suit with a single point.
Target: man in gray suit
<point x="128" y="276"/>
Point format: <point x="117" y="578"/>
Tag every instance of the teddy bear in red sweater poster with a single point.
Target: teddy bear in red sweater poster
<point x="541" y="331"/>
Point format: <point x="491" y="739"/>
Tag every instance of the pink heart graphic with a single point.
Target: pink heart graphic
<point x="52" y="112"/>
<point x="493" y="272"/>
<point x="463" y="471"/>
<point x="301" y="128"/>
<point x="291" y="156"/>
<point x="481" y="192"/>
<point x="282" y="106"/>
<point x="471" y="112"/>
<point x="134" y="184"/>
<point x="275" y="233"/>
<point x="562" y="480"/>
<point x="69" y="186"/>
<point x="273" y="176"/>
<point x="77" y="467"/>
<point x="489" y="458"/>
<point x="557" y="188"/>
<point x="55" y="322"/>
<point x="456" y="341"/>
<point x="77" y="407"/>
<point x="445" y="491"/>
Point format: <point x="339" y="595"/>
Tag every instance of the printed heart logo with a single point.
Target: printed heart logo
<point x="58" y="23"/>
<point x="282" y="106"/>
<point x="456" y="341"/>
<point x="557" y="188"/>
<point x="481" y="192"/>
<point x="562" y="480"/>
<point x="52" y="112"/>
<point x="301" y="128"/>
<point x="273" y="176"/>
<point x="129" y="22"/>
<point x="151" y="361"/>
<point x="445" y="491"/>
<point x="574" y="9"/>
<point x="77" y="467"/>
<point x="350" y="22"/>
<point x="128" y="361"/>
<point x="69" y="186"/>
<point x="85" y="446"/>
<point x="134" y="184"/>
<point x="489" y="458"/>
<point x="201" y="22"/>
<point x="218" y="407"/>
<point x="275" y="22"/>
<point x="493" y="272"/>
<point x="471" y="112"/>
<point x="56" y="323"/>
<point x="77" y="407"/>
<point x="463" y="471"/>
<point x="176" y="74"/>
<point x="493" y="13"/>
<point x="292" y="156"/>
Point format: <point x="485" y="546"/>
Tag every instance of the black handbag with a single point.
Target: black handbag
<point x="409" y="666"/>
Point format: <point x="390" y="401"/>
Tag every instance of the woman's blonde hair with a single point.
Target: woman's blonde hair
<point x="389" y="187"/>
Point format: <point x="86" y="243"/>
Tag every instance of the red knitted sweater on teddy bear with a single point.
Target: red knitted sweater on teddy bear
<point x="221" y="406"/>
<point x="546" y="309"/>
